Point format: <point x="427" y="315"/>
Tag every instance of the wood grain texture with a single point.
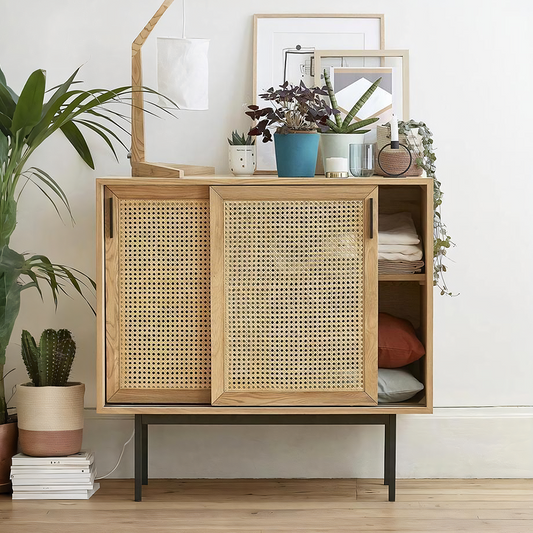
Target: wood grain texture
<point x="112" y="290"/>
<point x="284" y="506"/>
<point x="167" y="170"/>
<point x="221" y="179"/>
<point x="137" y="102"/>
<point x="413" y="407"/>
<point x="100" y="297"/>
<point x="371" y="295"/>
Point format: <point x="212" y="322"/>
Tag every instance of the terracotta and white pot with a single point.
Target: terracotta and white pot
<point x="50" y="419"/>
<point x="242" y="159"/>
<point x="8" y="448"/>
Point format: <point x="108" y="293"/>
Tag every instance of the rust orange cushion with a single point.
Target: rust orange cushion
<point x="398" y="344"/>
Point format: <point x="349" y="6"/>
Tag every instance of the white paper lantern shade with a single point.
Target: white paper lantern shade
<point x="183" y="72"/>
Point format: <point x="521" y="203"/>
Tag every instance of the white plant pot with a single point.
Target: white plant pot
<point x="50" y="419"/>
<point x="242" y="159"/>
<point x="338" y="144"/>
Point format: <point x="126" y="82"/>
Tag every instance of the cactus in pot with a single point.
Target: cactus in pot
<point x="49" y="363"/>
<point x="50" y="408"/>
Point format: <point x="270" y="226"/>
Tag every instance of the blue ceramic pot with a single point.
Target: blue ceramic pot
<point x="296" y="154"/>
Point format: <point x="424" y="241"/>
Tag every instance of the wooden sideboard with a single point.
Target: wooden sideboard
<point x="224" y="295"/>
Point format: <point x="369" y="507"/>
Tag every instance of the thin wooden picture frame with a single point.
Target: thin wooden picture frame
<point x="383" y="54"/>
<point x="366" y="31"/>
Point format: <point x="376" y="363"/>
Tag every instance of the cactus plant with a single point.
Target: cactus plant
<point x="240" y="139"/>
<point x="49" y="363"/>
<point x="346" y="125"/>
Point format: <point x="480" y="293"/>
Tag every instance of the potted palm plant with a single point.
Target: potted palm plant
<point x="26" y="122"/>
<point x="297" y="112"/>
<point x="341" y="132"/>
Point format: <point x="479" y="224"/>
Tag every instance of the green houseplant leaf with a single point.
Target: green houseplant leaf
<point x="26" y="121"/>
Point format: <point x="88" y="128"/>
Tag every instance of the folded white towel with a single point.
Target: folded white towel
<point x="399" y="248"/>
<point x="398" y="256"/>
<point x="398" y="228"/>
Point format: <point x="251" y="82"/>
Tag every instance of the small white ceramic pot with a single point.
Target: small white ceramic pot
<point x="242" y="159"/>
<point x="338" y="144"/>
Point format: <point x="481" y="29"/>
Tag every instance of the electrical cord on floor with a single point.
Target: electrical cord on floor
<point x="119" y="459"/>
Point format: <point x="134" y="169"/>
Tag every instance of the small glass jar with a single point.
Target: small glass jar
<point x="362" y="160"/>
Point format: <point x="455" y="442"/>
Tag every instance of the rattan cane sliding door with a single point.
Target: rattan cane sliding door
<point x="157" y="305"/>
<point x="294" y="295"/>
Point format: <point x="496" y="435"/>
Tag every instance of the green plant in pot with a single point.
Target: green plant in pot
<point x="50" y="408"/>
<point x="241" y="154"/>
<point x="26" y="122"/>
<point x="341" y="132"/>
<point x="297" y="112"/>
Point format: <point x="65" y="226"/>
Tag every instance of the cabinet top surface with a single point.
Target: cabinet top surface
<point x="261" y="180"/>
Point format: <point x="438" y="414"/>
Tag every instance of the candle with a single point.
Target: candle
<point x="336" y="164"/>
<point x="394" y="129"/>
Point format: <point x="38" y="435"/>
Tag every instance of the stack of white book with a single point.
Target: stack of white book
<point x="54" y="478"/>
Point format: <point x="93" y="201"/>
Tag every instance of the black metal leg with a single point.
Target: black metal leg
<point x="145" y="454"/>
<point x="386" y="447"/>
<point x="390" y="455"/>
<point x="138" y="458"/>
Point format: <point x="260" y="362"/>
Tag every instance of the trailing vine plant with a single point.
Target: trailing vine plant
<point x="422" y="147"/>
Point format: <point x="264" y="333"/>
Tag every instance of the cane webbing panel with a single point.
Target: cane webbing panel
<point x="164" y="294"/>
<point x="294" y="278"/>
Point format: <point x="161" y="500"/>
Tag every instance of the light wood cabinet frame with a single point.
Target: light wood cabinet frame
<point x="161" y="188"/>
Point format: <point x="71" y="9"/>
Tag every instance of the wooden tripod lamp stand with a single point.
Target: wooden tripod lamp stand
<point x="139" y="166"/>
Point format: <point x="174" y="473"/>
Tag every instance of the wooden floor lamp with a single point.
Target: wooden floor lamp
<point x="139" y="166"/>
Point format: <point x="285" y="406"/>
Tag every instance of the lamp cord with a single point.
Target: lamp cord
<point x="119" y="459"/>
<point x="183" y="19"/>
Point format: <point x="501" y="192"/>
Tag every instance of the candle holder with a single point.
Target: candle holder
<point x="395" y="161"/>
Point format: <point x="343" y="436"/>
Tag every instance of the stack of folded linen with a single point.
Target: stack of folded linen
<point x="400" y="249"/>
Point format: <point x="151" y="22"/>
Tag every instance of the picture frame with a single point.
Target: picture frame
<point x="284" y="46"/>
<point x="373" y="60"/>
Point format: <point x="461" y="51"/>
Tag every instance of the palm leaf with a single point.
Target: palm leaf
<point x="76" y="138"/>
<point x="30" y="105"/>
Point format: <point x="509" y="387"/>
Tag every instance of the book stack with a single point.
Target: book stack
<point x="54" y="478"/>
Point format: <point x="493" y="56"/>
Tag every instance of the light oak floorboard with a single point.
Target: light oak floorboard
<point x="283" y="506"/>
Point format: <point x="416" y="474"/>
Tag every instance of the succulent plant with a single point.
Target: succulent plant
<point x="49" y="363"/>
<point x="346" y="125"/>
<point x="240" y="139"/>
<point x="295" y="108"/>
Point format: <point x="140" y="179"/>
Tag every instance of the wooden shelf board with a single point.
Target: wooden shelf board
<point x="221" y="179"/>
<point x="396" y="408"/>
<point x="420" y="278"/>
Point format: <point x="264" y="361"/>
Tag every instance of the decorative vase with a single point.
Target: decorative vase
<point x="395" y="161"/>
<point x="50" y="419"/>
<point x="8" y="448"/>
<point x="296" y="154"/>
<point x="338" y="144"/>
<point x="242" y="159"/>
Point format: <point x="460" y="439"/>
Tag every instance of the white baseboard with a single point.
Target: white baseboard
<point x="494" y="442"/>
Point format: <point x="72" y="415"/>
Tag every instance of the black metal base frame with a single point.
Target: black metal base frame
<point x="143" y="421"/>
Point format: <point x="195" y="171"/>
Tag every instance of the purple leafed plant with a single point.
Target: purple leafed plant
<point x="295" y="108"/>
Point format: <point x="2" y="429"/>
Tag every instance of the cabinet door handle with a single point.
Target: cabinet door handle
<point x="371" y="218"/>
<point x="111" y="218"/>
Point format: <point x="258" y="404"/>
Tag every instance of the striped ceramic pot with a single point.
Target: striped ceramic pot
<point x="50" y="419"/>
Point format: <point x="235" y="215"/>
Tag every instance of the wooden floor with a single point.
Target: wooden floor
<point x="282" y="506"/>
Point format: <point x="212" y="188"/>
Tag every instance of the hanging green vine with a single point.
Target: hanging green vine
<point x="422" y="147"/>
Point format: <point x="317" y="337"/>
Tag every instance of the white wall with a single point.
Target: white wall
<point x="471" y="78"/>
